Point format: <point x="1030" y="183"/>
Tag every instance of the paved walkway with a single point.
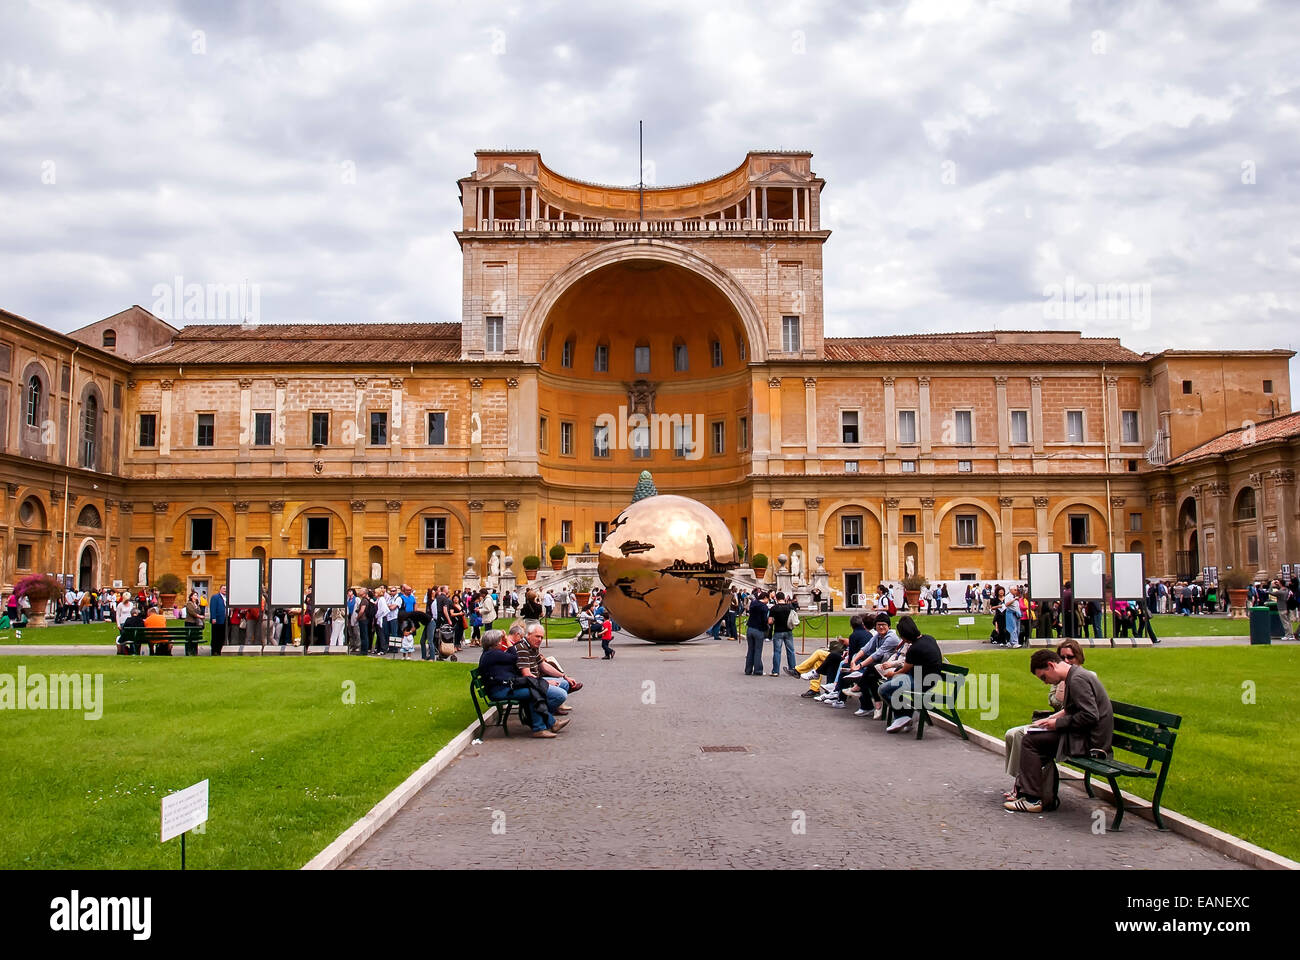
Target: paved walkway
<point x="627" y="785"/>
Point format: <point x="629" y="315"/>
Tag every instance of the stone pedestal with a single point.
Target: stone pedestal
<point x="471" y="579"/>
<point x="784" y="582"/>
<point x="507" y="579"/>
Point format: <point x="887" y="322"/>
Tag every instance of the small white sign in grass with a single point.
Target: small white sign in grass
<point x="184" y="810"/>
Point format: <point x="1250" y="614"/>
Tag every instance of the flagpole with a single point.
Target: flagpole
<point x="640" y="158"/>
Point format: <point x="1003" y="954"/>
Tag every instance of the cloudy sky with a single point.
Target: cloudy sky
<point x="978" y="157"/>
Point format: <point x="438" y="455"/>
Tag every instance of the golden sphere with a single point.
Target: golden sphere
<point x="665" y="567"/>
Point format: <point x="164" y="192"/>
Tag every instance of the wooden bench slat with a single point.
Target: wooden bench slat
<point x="1146" y="714"/>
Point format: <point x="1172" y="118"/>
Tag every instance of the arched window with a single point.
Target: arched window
<point x="110" y="339"/>
<point x="1246" y="504"/>
<point x="89" y="432"/>
<point x="566" y="354"/>
<point x="89" y="517"/>
<point x="34" y="401"/>
<point x="681" y="358"/>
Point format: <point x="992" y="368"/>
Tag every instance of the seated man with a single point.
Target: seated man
<point x="499" y="668"/>
<point x="155" y="619"/>
<point x="526" y="640"/>
<point x="1083" y="727"/>
<point x="822" y="663"/>
<point x="919" y="671"/>
<point x="877" y="650"/>
<point x="134" y="620"/>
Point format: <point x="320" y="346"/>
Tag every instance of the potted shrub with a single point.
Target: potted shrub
<point x="1237" y="582"/>
<point x="912" y="590"/>
<point x="759" y="563"/>
<point x="37" y="588"/>
<point x="557" y="556"/>
<point x="168" y="585"/>
<point x="531" y="564"/>
<point x="582" y="591"/>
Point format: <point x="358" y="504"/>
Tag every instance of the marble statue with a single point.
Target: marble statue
<point x="494" y="563"/>
<point x="141" y="575"/>
<point x="796" y="564"/>
<point x="376" y="571"/>
<point x="909" y="565"/>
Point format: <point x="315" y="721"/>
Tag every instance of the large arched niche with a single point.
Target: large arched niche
<point x="667" y="267"/>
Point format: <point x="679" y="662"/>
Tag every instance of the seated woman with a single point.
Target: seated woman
<point x="1071" y="651"/>
<point x="499" y="668"/>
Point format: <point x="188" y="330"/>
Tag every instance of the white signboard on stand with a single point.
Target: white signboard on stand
<point x="1088" y="573"/>
<point x="329" y="582"/>
<point x="184" y="810"/>
<point x="1044" y="576"/>
<point x="1129" y="571"/>
<point x="286" y="582"/>
<point x="244" y="582"/>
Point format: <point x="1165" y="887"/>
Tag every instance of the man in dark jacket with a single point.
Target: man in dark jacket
<point x="1083" y="727"/>
<point x="217" y="611"/>
<point x="755" y="634"/>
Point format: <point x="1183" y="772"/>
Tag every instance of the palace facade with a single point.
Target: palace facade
<point x="607" y="330"/>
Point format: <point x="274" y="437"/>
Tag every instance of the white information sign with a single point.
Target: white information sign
<point x="965" y="621"/>
<point x="329" y="582"/>
<point x="1044" y="576"/>
<point x="244" y="582"/>
<point x="1130" y="579"/>
<point x="286" y="582"/>
<point x="184" y="810"/>
<point x="1088" y="571"/>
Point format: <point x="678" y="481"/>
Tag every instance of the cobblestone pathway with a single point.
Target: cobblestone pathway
<point x="627" y="785"/>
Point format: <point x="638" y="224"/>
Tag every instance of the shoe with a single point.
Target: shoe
<point x="878" y="713"/>
<point x="774" y="674"/>
<point x="853" y="676"/>
<point x="562" y="711"/>
<point x="1024" y="805"/>
<point x="611" y="654"/>
<point x="900" y="724"/>
<point x="808" y="676"/>
<point x="796" y="674"/>
<point x="861" y="713"/>
<point x="838" y="704"/>
<point x="808" y="694"/>
<point x="832" y="692"/>
<point x="543" y="734"/>
<point x="560" y="724"/>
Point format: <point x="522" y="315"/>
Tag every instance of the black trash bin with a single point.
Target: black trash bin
<point x="1275" y="628"/>
<point x="1259" y="632"/>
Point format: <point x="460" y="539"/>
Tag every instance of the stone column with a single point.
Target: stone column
<point x="1006" y="542"/>
<point x="240" y="548"/>
<point x="774" y="505"/>
<point x="363" y="426"/>
<point x="512" y="421"/>
<point x="474" y="536"/>
<point x="1040" y="525"/>
<point x="1284" y="488"/>
<point x="126" y="558"/>
<point x="281" y="385"/>
<point x="1168" y="532"/>
<point x="357" y="549"/>
<point x="1224" y="532"/>
<point x="890" y="564"/>
<point x="527" y="412"/>
<point x="1004" y="415"/>
<point x="1147" y="412"/>
<point x="1116" y="524"/>
<point x="810" y="418"/>
<point x="245" y="416"/>
<point x="923" y="414"/>
<point x="165" y="420"/>
<point x="278" y="546"/>
<point x="476" y="427"/>
<point x="512" y="528"/>
<point x="1261" y="534"/>
<point x="1036" y="412"/>
<point x="395" y="418"/>
<point x="812" y="507"/>
<point x="929" y="540"/>
<point x="396" y="549"/>
<point x="774" y="421"/>
<point x="161" y="555"/>
<point x="112" y="544"/>
<point x="1112" y="417"/>
<point x="891" y="417"/>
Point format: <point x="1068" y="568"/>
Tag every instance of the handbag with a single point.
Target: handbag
<point x="794" y="618"/>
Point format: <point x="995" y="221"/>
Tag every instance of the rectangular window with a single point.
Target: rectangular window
<point x="1129" y="425"/>
<point x="320" y="429"/>
<point x="715" y="351"/>
<point x="907" y="466"/>
<point x="435" y="533"/>
<point x="850" y="466"/>
<point x="566" y="354"/>
<point x="790" y="334"/>
<point x="640" y="440"/>
<point x="1074" y="426"/>
<point x="683" y="442"/>
<point x="566" y="531"/>
<point x="851" y="531"/>
<point x="1268" y="386"/>
<point x="909" y="523"/>
<point x="1135" y="522"/>
<point x="641" y="359"/>
<point x="201" y="534"/>
<point x="1252" y="551"/>
<point x="318" y="533"/>
<point x="1187" y="386"/>
<point x="24" y="556"/>
<point x="261" y="429"/>
<point x="742" y="434"/>
<point x="206" y="435"/>
<point x="543" y="439"/>
<point x="681" y="360"/>
<point x="967" y="530"/>
<point x="495" y="340"/>
<point x="719" y="430"/>
<point x="965" y="431"/>
<point x="849" y="426"/>
<point x="600" y="440"/>
<point x="1019" y="426"/>
<point x="907" y="426"/>
<point x="963" y="466"/>
<point x="602" y="358"/>
<point x="566" y="439"/>
<point x="148" y="430"/>
<point x="1079" y="529"/>
<point x="437" y="434"/>
<point x="601" y="533"/>
<point x="379" y="428"/>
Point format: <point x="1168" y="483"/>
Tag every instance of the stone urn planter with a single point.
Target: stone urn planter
<point x="1237" y="600"/>
<point x="37" y="588"/>
<point x="36" y="615"/>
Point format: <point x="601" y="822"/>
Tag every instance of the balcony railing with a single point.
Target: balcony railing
<point x="641" y="227"/>
<point x="1158" y="452"/>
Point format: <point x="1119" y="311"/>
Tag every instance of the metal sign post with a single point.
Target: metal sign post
<point x="182" y="811"/>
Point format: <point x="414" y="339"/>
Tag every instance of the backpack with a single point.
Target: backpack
<point x="794" y="618"/>
<point x="893" y="608"/>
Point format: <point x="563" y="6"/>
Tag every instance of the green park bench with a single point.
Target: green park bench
<point x="478" y="694"/>
<point x="160" y="639"/>
<point x="1149" y="734"/>
<point x="940" y="699"/>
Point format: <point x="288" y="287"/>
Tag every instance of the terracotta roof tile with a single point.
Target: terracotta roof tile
<point x="312" y="343"/>
<point x="1279" y="428"/>
<point x="1002" y="346"/>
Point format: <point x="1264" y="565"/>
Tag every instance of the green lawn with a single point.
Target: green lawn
<point x="944" y="627"/>
<point x="1234" y="763"/>
<point x="291" y="765"/>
